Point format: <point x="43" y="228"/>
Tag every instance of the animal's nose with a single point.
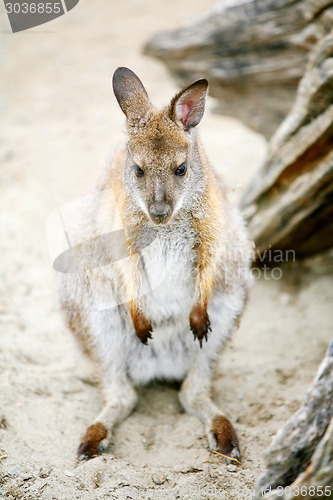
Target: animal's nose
<point x="159" y="211"/>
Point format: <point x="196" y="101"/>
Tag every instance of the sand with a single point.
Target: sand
<point x="59" y="123"/>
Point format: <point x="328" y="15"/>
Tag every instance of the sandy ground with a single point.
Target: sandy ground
<point x="59" y="121"/>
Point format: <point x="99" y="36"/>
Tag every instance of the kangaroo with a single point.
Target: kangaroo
<point x="181" y="271"/>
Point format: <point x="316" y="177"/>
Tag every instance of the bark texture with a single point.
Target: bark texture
<point x="288" y="204"/>
<point x="253" y="54"/>
<point x="302" y="452"/>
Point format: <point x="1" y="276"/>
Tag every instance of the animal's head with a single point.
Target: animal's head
<point x="163" y="170"/>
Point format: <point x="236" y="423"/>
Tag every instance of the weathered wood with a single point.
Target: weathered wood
<point x="317" y="480"/>
<point x="252" y="52"/>
<point x="288" y="204"/>
<point x="309" y="429"/>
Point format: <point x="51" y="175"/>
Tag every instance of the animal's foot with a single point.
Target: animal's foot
<point x="223" y="439"/>
<point x="93" y="442"/>
<point x="200" y="324"/>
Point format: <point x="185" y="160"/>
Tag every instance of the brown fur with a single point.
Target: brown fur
<point x="91" y="440"/>
<point x="199" y="322"/>
<point x="142" y="325"/>
<point x="227" y="441"/>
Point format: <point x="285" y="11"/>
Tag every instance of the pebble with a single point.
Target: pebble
<point x="98" y="478"/>
<point x="3" y="423"/>
<point x="15" y="471"/>
<point x="285" y="299"/>
<point x="232" y="468"/>
<point x="44" y="472"/>
<point x="158" y="479"/>
<point x="69" y="473"/>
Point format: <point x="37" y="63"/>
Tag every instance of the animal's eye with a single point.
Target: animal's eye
<point x="181" y="170"/>
<point x="138" y="171"/>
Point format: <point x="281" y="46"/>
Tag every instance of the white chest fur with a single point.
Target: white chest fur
<point x="168" y="266"/>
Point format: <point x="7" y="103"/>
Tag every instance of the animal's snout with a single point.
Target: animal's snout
<point x="160" y="211"/>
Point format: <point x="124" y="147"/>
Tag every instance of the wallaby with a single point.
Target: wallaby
<point x="182" y="268"/>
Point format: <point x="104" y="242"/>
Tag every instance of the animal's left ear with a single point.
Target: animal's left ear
<point x="188" y="106"/>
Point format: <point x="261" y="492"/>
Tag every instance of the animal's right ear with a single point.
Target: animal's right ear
<point x="188" y="106"/>
<point x="131" y="95"/>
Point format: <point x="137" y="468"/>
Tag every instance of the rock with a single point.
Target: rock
<point x="44" y="472"/>
<point x="15" y="471"/>
<point x="69" y="473"/>
<point x="159" y="479"/>
<point x="98" y="479"/>
<point x="3" y="423"/>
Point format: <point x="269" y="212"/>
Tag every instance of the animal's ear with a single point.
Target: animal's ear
<point x="130" y="93"/>
<point x="188" y="106"/>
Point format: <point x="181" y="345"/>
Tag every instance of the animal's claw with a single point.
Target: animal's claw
<point x="200" y="323"/>
<point x="145" y="336"/>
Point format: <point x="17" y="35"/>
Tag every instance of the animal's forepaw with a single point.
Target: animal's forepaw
<point x="143" y="328"/>
<point x="225" y="441"/>
<point x="90" y="444"/>
<point x="200" y="324"/>
<point x="145" y="335"/>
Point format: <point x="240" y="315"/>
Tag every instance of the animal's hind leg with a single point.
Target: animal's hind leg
<point x="109" y="354"/>
<point x="196" y="400"/>
<point x="119" y="400"/>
